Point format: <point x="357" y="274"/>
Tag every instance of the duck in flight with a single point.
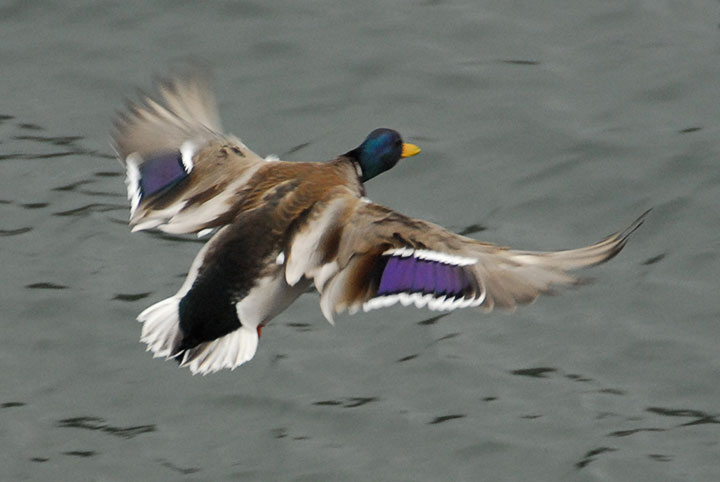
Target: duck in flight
<point x="279" y="227"/>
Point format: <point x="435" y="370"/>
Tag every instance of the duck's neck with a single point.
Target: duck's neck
<point x="352" y="171"/>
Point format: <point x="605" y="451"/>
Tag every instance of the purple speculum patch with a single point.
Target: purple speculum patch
<point x="413" y="275"/>
<point x="161" y="172"/>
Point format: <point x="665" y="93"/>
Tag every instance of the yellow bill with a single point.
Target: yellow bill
<point x="409" y="150"/>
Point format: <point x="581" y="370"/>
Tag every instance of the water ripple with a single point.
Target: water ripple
<point x="131" y="296"/>
<point x="45" y="286"/>
<point x="55" y="141"/>
<point x="626" y="433"/>
<point x="178" y="469"/>
<point x="700" y="417"/>
<point x="91" y="208"/>
<point x="592" y="455"/>
<point x="352" y="402"/>
<point x="81" y="453"/>
<point x="654" y="259"/>
<point x="407" y="358"/>
<point x="433" y="320"/>
<point x="472" y="229"/>
<point x="14" y="232"/>
<point x="537" y="372"/>
<point x="98" y="424"/>
<point x="445" y="418"/>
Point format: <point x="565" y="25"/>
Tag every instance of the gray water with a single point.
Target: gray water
<point x="544" y="125"/>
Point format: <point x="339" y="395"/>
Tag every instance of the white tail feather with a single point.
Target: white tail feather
<point x="229" y="351"/>
<point x="161" y="330"/>
<point x="161" y="333"/>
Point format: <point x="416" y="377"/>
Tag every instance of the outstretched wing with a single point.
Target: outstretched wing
<point x="382" y="257"/>
<point x="182" y="172"/>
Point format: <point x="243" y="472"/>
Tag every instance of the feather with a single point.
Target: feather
<point x="450" y="271"/>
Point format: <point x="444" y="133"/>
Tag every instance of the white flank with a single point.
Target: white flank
<point x="204" y="232"/>
<point x="280" y="258"/>
<point x="187" y="151"/>
<point x="267" y="298"/>
<point x="133" y="181"/>
<point x="272" y="158"/>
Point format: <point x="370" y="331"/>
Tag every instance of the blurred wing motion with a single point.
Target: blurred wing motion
<point x="182" y="172"/>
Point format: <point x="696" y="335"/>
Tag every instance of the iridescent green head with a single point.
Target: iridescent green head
<point x="380" y="151"/>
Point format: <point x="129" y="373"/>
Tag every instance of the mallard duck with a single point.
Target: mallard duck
<point x="279" y="227"/>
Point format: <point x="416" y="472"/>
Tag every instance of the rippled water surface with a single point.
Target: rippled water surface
<point x="544" y="125"/>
